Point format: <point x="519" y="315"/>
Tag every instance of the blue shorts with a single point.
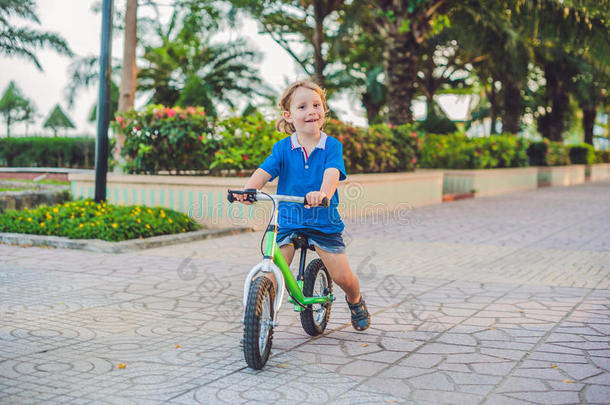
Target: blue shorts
<point x="329" y="242"/>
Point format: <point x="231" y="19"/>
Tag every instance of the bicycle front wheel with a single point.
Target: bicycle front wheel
<point x="258" y="323"/>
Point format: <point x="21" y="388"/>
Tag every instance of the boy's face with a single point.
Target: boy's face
<point x="306" y="111"/>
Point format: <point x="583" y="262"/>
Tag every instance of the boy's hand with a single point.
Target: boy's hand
<point x="241" y="198"/>
<point x="314" y="198"/>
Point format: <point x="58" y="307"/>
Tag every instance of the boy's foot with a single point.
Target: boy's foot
<point x="361" y="319"/>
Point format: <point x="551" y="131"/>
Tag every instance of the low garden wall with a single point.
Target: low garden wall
<point x="599" y="172"/>
<point x="204" y="197"/>
<point x="561" y="175"/>
<point x="486" y="182"/>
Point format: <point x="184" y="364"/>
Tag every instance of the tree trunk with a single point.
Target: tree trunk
<point x="372" y="108"/>
<point x="318" y="39"/>
<point x="493" y="107"/>
<point x="127" y="90"/>
<point x="128" y="80"/>
<point x="588" y="121"/>
<point x="401" y="75"/>
<point x="511" y="117"/>
<point x="557" y="93"/>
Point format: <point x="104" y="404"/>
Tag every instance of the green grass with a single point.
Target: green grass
<point x="86" y="219"/>
<point x="12" y="189"/>
<point x="27" y="181"/>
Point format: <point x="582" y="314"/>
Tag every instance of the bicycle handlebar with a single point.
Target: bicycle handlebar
<point x="254" y="195"/>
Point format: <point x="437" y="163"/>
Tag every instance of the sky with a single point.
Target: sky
<point x="80" y="26"/>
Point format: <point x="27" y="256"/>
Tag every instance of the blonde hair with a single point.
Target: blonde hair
<point x="281" y="124"/>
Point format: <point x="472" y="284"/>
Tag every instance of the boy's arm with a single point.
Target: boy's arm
<point x="258" y="179"/>
<point x="330" y="181"/>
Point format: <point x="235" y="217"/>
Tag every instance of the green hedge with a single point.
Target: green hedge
<point x="42" y="151"/>
<point x="457" y="151"/>
<point x="602" y="156"/>
<point x="377" y="149"/>
<point x="86" y="219"/>
<point x="548" y="153"/>
<point x="178" y="140"/>
<point x="582" y="154"/>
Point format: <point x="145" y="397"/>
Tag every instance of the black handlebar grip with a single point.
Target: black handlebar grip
<point x="230" y="197"/>
<point x="324" y="202"/>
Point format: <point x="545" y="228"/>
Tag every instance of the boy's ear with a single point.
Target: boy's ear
<point x="286" y="115"/>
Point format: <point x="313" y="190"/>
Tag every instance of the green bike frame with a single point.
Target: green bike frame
<point x="274" y="262"/>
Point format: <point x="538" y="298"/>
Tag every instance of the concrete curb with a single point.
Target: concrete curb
<point x="102" y="246"/>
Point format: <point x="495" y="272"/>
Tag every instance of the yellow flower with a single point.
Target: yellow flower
<point x="55" y="210"/>
<point x="169" y="220"/>
<point x="147" y="226"/>
<point x="29" y="219"/>
<point x="80" y="225"/>
<point x="92" y="223"/>
<point x="115" y="225"/>
<point x="149" y="211"/>
<point x="20" y="218"/>
<point x="42" y="224"/>
<point x="183" y="230"/>
<point x="139" y="220"/>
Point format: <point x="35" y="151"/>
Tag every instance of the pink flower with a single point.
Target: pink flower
<point x="413" y="134"/>
<point x="170" y="112"/>
<point x="119" y="119"/>
<point x="341" y="137"/>
<point x="414" y="160"/>
<point x="244" y="157"/>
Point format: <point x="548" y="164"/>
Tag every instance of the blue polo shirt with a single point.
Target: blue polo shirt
<point x="299" y="174"/>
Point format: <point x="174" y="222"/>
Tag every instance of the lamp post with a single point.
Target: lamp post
<point x="103" y="104"/>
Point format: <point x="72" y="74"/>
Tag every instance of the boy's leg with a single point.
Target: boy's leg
<point x="341" y="273"/>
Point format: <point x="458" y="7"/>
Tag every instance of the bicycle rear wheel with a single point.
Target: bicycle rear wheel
<point x="258" y="323"/>
<point x="316" y="283"/>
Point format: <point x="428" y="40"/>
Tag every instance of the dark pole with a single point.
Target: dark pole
<point x="103" y="104"/>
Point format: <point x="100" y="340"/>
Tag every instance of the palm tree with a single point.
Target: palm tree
<point x="24" y="41"/>
<point x="187" y="69"/>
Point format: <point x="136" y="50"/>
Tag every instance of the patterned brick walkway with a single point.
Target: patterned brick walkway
<point x="501" y="300"/>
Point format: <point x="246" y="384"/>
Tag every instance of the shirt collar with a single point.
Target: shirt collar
<point x="294" y="141"/>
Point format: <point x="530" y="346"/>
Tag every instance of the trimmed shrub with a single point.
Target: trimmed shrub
<point x="40" y="151"/>
<point x="437" y="124"/>
<point x="583" y="154"/>
<point x="86" y="219"/>
<point x="547" y="153"/>
<point x="457" y="151"/>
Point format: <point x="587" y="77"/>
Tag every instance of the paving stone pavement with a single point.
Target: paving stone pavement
<point x="498" y="300"/>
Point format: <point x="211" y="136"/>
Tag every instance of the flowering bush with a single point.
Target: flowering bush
<point x="161" y="138"/>
<point x="243" y="143"/>
<point x="377" y="149"/>
<point x="602" y="156"/>
<point x="457" y="151"/>
<point x="86" y="219"/>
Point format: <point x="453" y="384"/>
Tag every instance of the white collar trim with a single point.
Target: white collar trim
<point x="294" y="141"/>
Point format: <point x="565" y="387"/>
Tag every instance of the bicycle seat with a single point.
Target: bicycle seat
<point x="301" y="241"/>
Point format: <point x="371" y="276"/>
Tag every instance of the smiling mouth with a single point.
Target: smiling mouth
<point x="311" y="120"/>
